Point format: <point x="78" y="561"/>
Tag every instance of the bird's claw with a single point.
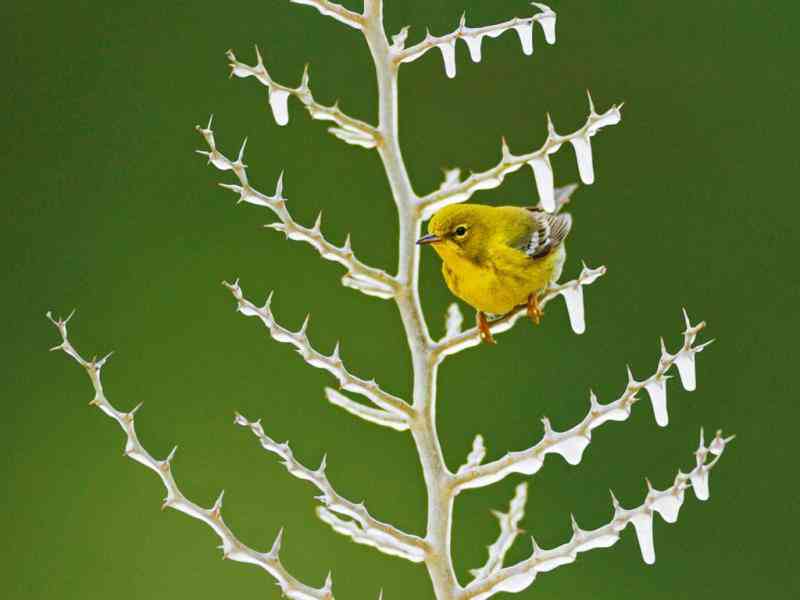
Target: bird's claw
<point x="535" y="311"/>
<point x="484" y="330"/>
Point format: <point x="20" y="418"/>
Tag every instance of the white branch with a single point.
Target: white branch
<point x="366" y="279"/>
<point x="351" y="130"/>
<point x="361" y="535"/>
<point x="232" y="548"/>
<point x="453" y="320"/>
<point x="373" y="415"/>
<point x="382" y="536"/>
<point x="509" y="530"/>
<point x="666" y="503"/>
<point x="331" y="363"/>
<point x="573" y="296"/>
<point x="335" y="11"/>
<point x="539" y="161"/>
<point x="473" y="36"/>
<point x="571" y="443"/>
<point x="475" y="456"/>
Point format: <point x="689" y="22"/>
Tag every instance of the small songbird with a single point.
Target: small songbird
<point x="496" y="258"/>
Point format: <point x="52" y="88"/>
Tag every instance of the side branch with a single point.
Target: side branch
<point x="335" y="11"/>
<point x="350" y="130"/>
<point x="331" y="363"/>
<point x="539" y="161"/>
<point x="369" y="280"/>
<point x="370" y="531"/>
<point x="373" y="415"/>
<point x="232" y="548"/>
<point x="666" y="503"/>
<point x="509" y="530"/>
<point x="571" y="443"/>
<point x="573" y="296"/>
<point x="473" y="36"/>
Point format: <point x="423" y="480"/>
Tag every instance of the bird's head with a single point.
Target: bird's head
<point x="459" y="230"/>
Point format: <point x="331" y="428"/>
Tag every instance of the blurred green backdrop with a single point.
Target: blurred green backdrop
<point x="107" y="209"/>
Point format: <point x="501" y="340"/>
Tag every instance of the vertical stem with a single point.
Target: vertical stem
<point x="423" y="428"/>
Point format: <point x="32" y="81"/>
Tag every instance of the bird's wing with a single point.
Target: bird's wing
<point x="548" y="232"/>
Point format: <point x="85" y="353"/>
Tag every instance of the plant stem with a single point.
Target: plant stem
<point x="423" y="426"/>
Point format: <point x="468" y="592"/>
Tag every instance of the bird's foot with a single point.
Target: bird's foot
<point x="484" y="330"/>
<point x="535" y="312"/>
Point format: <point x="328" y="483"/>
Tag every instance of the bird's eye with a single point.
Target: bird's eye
<point x="460" y="231"/>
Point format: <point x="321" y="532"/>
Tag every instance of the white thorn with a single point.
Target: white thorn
<point x="276" y="545"/>
<point x="551" y="129"/>
<point x="593" y="403"/>
<point x="171" y="455"/>
<point x="686" y="319"/>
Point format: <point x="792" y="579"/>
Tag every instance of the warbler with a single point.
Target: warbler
<point x="496" y="258"/>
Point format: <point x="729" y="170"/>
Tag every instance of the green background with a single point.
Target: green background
<point x="106" y="208"/>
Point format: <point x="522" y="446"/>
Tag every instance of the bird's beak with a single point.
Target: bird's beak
<point x="429" y="239"/>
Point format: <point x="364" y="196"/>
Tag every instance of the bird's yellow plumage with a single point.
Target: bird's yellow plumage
<point x="497" y="258"/>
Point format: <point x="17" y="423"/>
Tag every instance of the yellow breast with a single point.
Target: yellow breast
<point x="504" y="281"/>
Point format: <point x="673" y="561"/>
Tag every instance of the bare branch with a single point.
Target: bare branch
<point x="473" y="36"/>
<point x="382" y="536"/>
<point x="539" y="161"/>
<point x="360" y="535"/>
<point x="453" y="320"/>
<point x="351" y="130"/>
<point x="475" y="456"/>
<point x="331" y="363"/>
<point x="232" y="548"/>
<point x="369" y="280"/>
<point x="570" y="444"/>
<point x="509" y="530"/>
<point x="666" y="503"/>
<point x="573" y="296"/>
<point x="373" y="415"/>
<point x="335" y="11"/>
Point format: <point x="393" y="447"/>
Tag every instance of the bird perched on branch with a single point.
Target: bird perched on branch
<point x="497" y="258"/>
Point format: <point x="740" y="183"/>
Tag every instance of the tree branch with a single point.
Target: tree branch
<point x="232" y="548"/>
<point x="473" y="36"/>
<point x="573" y="296"/>
<point x="369" y="280"/>
<point x="475" y="456"/>
<point x="350" y="130"/>
<point x="335" y="11"/>
<point x="423" y="426"/>
<point x="373" y="415"/>
<point x="509" y="530"/>
<point x="666" y="503"/>
<point x="382" y="536"/>
<point x="539" y="161"/>
<point x="331" y="363"/>
<point x="570" y="444"/>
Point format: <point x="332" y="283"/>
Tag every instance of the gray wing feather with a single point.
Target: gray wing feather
<point x="551" y="231"/>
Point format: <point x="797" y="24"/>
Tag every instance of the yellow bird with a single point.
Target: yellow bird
<point x="496" y="258"/>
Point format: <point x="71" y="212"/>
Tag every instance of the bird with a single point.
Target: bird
<point x="496" y="258"/>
